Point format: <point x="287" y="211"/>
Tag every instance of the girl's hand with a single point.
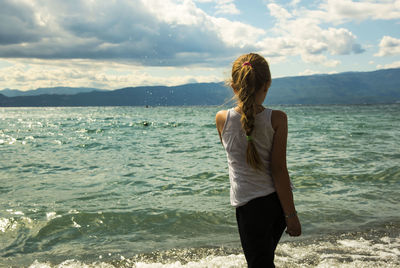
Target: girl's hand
<point x="293" y="226"/>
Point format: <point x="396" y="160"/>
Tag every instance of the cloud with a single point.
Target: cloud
<point x="309" y="32"/>
<point x="237" y="34"/>
<point x="18" y="24"/>
<point x="395" y="64"/>
<point x="341" y="41"/>
<point x="177" y="32"/>
<point x="278" y="12"/>
<point x="232" y="33"/>
<point x="300" y="32"/>
<point x="223" y="6"/>
<point x="62" y="42"/>
<point x="226" y="7"/>
<point x="320" y="59"/>
<point x="388" y="46"/>
<point x="295" y="2"/>
<point x="340" y="11"/>
<point x="311" y="72"/>
<point x="151" y="33"/>
<point x="27" y="74"/>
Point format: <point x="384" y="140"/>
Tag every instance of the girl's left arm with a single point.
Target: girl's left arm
<point x="280" y="173"/>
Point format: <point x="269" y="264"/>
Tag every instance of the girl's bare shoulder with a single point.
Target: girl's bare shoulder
<point x="221" y="113"/>
<point x="220" y="119"/>
<point x="278" y="118"/>
<point x="221" y="116"/>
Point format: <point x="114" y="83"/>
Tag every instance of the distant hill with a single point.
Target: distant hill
<point x="49" y="90"/>
<point x="382" y="86"/>
<point x="190" y="94"/>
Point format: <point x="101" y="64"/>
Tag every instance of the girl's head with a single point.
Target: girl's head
<point x="250" y="74"/>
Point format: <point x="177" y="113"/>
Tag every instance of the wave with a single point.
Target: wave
<point x="346" y="250"/>
<point x="55" y="230"/>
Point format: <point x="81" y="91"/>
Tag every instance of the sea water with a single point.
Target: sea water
<point x="149" y="187"/>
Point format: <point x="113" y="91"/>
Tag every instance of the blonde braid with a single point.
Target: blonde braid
<point x="246" y="81"/>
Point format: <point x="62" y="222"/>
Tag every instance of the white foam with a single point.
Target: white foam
<point x="11" y="224"/>
<point x="75" y="224"/>
<point x="347" y="253"/>
<point x="58" y="142"/>
<point x="15" y="212"/>
<point x="358" y="252"/>
<point x="73" y="211"/>
<point x="52" y="215"/>
<point x="70" y="264"/>
<point x="7" y="224"/>
<point x="230" y="261"/>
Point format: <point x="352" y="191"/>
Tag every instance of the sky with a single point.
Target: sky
<point x="112" y="44"/>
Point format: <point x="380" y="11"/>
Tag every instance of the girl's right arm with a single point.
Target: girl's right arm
<point x="220" y="119"/>
<point x="280" y="173"/>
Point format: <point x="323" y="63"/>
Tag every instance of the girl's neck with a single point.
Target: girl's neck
<point x="259" y="108"/>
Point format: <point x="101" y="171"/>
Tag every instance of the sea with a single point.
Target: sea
<point x="149" y="187"/>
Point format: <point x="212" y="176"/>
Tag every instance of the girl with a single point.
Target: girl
<point x="255" y="138"/>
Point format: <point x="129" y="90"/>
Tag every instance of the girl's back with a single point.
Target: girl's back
<point x="246" y="182"/>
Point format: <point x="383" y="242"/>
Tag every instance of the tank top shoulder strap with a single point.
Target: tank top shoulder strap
<point x="268" y="117"/>
<point x="227" y="120"/>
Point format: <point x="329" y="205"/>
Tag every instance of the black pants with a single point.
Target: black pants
<point x="261" y="223"/>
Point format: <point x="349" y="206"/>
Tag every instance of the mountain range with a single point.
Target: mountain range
<point x="382" y="86"/>
<point x="49" y="90"/>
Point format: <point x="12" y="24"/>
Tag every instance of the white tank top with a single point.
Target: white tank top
<point x="246" y="182"/>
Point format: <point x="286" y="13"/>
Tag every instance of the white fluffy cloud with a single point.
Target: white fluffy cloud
<point x="339" y="11"/>
<point x="232" y="33"/>
<point x="103" y="43"/>
<point x="223" y="6"/>
<point x="278" y="12"/>
<point x="176" y="12"/>
<point x="226" y="7"/>
<point x="320" y="59"/>
<point x="82" y="43"/>
<point x="177" y="32"/>
<point x="27" y="74"/>
<point x="236" y="34"/>
<point x="388" y="46"/>
<point x="299" y="32"/>
<point x="295" y="2"/>
<point x="311" y="72"/>
<point x="395" y="64"/>
<point x="147" y="32"/>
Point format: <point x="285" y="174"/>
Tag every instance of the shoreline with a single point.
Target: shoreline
<point x="374" y="248"/>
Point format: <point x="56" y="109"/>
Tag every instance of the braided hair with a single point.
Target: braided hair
<point x="250" y="73"/>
